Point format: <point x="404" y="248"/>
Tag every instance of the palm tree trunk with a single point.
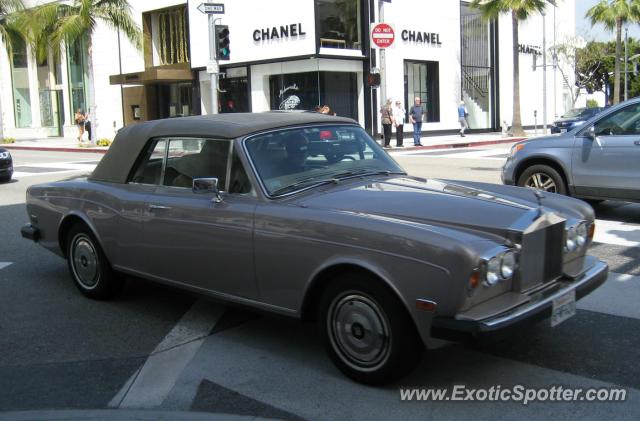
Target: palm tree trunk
<point x="516" y="125"/>
<point x="92" y="90"/>
<point x="616" y="71"/>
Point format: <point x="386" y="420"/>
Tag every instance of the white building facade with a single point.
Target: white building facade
<point x="292" y="54"/>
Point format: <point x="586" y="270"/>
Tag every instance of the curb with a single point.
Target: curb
<point x="456" y="145"/>
<point x="392" y="149"/>
<point x="54" y="149"/>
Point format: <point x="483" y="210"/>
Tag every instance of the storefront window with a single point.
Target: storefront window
<point x="235" y="98"/>
<point x="340" y="24"/>
<point x="422" y="80"/>
<point x="76" y="53"/>
<point x="20" y="77"/>
<point x="305" y="91"/>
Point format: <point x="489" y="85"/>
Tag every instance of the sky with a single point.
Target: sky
<point x="599" y="32"/>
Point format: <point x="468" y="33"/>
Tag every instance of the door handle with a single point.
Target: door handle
<point x="158" y="207"/>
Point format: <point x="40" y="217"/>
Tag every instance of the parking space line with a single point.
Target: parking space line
<point x="151" y="384"/>
<point x="5" y="264"/>
<point x="617" y="233"/>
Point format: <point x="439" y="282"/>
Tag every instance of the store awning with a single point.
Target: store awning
<point x="172" y="73"/>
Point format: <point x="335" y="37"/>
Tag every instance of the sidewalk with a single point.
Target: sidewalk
<point x="60" y="144"/>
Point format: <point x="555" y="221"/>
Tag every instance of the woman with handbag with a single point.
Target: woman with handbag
<point x="386" y="114"/>
<point x="80" y="119"/>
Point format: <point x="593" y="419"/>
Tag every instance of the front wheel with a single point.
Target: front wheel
<point x="367" y="331"/>
<point x="542" y="177"/>
<point x="90" y="270"/>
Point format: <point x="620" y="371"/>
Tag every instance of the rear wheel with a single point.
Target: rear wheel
<point x="90" y="270"/>
<point x="367" y="331"/>
<point x="542" y="177"/>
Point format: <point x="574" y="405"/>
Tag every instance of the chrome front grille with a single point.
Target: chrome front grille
<point x="540" y="257"/>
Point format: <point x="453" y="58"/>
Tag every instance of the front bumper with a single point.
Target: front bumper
<point x="6" y="170"/>
<point x="537" y="308"/>
<point x="507" y="175"/>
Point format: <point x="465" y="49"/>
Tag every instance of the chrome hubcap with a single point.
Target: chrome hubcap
<point x="541" y="181"/>
<point x="84" y="261"/>
<point x="359" y="331"/>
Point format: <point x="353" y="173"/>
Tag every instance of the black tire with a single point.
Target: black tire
<point x="5" y="179"/>
<point x="370" y="359"/>
<point x="543" y="177"/>
<point x="593" y="202"/>
<point x="89" y="267"/>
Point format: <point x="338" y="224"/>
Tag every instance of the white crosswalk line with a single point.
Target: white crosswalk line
<point x="619" y="296"/>
<point x="617" y="233"/>
<point x="5" y="264"/>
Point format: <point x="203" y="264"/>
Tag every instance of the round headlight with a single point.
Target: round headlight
<point x="581" y="234"/>
<point x="493" y="271"/>
<point x="572" y="235"/>
<point x="508" y="264"/>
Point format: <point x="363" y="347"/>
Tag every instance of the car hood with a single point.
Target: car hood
<point x="479" y="207"/>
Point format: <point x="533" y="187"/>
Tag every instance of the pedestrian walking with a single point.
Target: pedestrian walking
<point x="398" y="118"/>
<point x="386" y="113"/>
<point x="462" y="118"/>
<point x="415" y="117"/>
<point x="80" y="119"/>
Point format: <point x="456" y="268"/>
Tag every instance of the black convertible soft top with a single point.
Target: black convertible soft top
<point x="129" y="142"/>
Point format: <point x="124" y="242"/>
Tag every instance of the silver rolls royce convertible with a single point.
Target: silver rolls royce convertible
<point x="305" y="215"/>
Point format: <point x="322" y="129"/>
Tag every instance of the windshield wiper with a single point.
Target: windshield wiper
<point x="364" y="172"/>
<point x="303" y="183"/>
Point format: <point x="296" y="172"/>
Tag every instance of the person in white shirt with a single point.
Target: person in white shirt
<point x="399" y="114"/>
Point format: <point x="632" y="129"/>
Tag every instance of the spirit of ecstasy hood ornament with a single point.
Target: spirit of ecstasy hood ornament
<point x="539" y="196"/>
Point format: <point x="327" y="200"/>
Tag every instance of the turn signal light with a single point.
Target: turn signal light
<point x="474" y="280"/>
<point x="592" y="230"/>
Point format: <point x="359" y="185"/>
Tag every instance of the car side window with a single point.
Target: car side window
<point x="623" y="122"/>
<point x="149" y="169"/>
<point x="239" y="180"/>
<point x="190" y="158"/>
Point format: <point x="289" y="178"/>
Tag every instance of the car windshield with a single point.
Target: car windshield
<point x="580" y="112"/>
<point x="293" y="159"/>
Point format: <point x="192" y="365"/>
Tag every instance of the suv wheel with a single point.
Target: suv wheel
<point x="542" y="177"/>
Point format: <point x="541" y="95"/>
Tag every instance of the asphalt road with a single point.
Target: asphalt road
<point x="162" y="349"/>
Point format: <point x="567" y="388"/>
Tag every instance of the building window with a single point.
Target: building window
<point x="305" y="91"/>
<point x="77" y="62"/>
<point x="20" y="78"/>
<point x="340" y="24"/>
<point x="422" y="79"/>
<point x="173" y="36"/>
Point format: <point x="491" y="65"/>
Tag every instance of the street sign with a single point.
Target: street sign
<point x="382" y="35"/>
<point x="211" y="8"/>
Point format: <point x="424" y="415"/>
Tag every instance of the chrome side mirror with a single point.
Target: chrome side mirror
<point x="207" y="185"/>
<point x="590" y="133"/>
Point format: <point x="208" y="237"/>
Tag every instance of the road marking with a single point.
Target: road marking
<point x="617" y="233"/>
<point x="48" y="168"/>
<point x="151" y="384"/>
<point x="488" y="154"/>
<point x="5" y="264"/>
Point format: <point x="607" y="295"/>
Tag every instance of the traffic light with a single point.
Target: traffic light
<point x="222" y="42"/>
<point x="373" y="80"/>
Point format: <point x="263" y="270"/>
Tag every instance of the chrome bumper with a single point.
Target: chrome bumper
<point x="539" y="306"/>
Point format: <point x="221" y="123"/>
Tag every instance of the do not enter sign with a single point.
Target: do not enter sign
<point x="382" y="35"/>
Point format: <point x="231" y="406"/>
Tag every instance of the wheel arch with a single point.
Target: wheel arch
<point x="69" y="221"/>
<point x="543" y="160"/>
<point x="333" y="270"/>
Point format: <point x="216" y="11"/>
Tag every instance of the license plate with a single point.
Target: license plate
<point x="564" y="307"/>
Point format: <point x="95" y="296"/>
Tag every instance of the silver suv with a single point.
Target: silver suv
<point x="599" y="160"/>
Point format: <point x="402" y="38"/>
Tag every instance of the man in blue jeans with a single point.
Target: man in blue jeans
<point x="415" y="116"/>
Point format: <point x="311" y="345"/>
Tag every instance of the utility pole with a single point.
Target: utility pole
<point x="383" y="72"/>
<point x="544" y="74"/>
<point x="213" y="69"/>
<point x="626" y="63"/>
<point x="555" y="67"/>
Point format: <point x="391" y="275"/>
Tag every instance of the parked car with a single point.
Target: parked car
<point x="574" y="118"/>
<point x="305" y="215"/>
<point x="6" y="165"/>
<point x="595" y="161"/>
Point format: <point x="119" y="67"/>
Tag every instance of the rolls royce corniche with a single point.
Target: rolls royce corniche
<point x="305" y="215"/>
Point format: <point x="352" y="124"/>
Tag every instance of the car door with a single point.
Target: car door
<point x="189" y="237"/>
<point x="607" y="165"/>
<point x="133" y="203"/>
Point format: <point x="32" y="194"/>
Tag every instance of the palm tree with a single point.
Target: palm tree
<point x="75" y="21"/>
<point x="519" y="10"/>
<point x="613" y="14"/>
<point x="9" y="10"/>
